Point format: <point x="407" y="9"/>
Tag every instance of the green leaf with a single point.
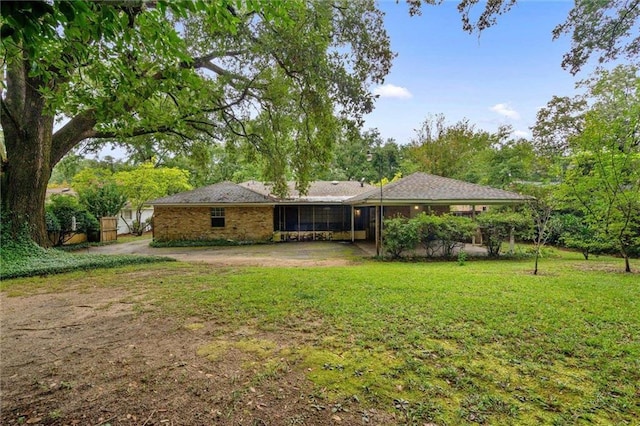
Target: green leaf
<point x="67" y="10"/>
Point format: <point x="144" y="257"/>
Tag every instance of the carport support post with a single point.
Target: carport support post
<point x="377" y="231"/>
<point x="381" y="222"/>
<point x="353" y="224"/>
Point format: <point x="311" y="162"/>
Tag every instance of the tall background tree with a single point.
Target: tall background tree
<point x="462" y="151"/>
<point x="146" y="183"/>
<point x="603" y="177"/>
<point x="458" y="150"/>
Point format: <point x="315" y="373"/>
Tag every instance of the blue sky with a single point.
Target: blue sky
<point x="501" y="77"/>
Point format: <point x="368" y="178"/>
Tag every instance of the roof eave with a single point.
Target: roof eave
<point x="215" y="204"/>
<point x="404" y="202"/>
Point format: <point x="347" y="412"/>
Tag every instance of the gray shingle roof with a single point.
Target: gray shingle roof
<point x="219" y="193"/>
<point x="318" y="192"/>
<point x="425" y="187"/>
<point x="415" y="188"/>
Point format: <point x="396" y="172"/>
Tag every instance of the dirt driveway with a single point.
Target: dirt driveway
<point x="315" y="253"/>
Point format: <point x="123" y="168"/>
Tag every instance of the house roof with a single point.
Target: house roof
<point x="423" y="187"/>
<point x="218" y="193"/>
<point x="318" y="192"/>
<point x="417" y="188"/>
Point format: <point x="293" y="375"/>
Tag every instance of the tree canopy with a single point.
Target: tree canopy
<point x="146" y="183"/>
<point x="603" y="177"/>
<point x="276" y="81"/>
<point x="607" y="30"/>
<point x="274" y="77"/>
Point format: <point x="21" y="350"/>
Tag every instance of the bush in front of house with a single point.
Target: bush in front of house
<point x="438" y="235"/>
<point x="496" y="226"/>
<point x="429" y="230"/>
<point x="454" y="231"/>
<point x="400" y="234"/>
<point x="443" y="234"/>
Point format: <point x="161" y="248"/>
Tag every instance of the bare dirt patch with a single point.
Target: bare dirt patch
<point x="91" y="358"/>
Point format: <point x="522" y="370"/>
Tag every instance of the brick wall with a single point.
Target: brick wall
<point x="194" y="223"/>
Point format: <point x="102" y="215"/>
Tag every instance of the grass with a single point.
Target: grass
<point x="484" y="343"/>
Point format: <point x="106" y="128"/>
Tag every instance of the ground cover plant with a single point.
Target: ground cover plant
<point x="384" y="342"/>
<point x="23" y="258"/>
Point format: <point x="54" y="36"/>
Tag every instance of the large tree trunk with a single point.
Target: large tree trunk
<point x="24" y="195"/>
<point x="32" y="148"/>
<point x="28" y="132"/>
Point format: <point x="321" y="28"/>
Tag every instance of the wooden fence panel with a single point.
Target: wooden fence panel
<point x="108" y="229"/>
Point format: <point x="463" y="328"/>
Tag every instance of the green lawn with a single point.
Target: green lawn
<point x="486" y="342"/>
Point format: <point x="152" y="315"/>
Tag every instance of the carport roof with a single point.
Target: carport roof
<point x="425" y="188"/>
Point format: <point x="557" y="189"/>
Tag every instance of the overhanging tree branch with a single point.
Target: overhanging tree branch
<point x="79" y="128"/>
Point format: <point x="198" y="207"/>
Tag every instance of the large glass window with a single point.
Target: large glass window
<point x="217" y="217"/>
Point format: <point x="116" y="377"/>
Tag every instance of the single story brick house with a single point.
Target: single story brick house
<point x="336" y="210"/>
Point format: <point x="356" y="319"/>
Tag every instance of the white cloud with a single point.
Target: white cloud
<point x="521" y="134"/>
<point x="392" y="91"/>
<point x="506" y="110"/>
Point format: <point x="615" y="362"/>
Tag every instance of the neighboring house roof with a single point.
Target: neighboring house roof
<point x="128" y="206"/>
<point x="219" y="193"/>
<point x="421" y="187"/>
<point x="318" y="192"/>
<point x="60" y="191"/>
